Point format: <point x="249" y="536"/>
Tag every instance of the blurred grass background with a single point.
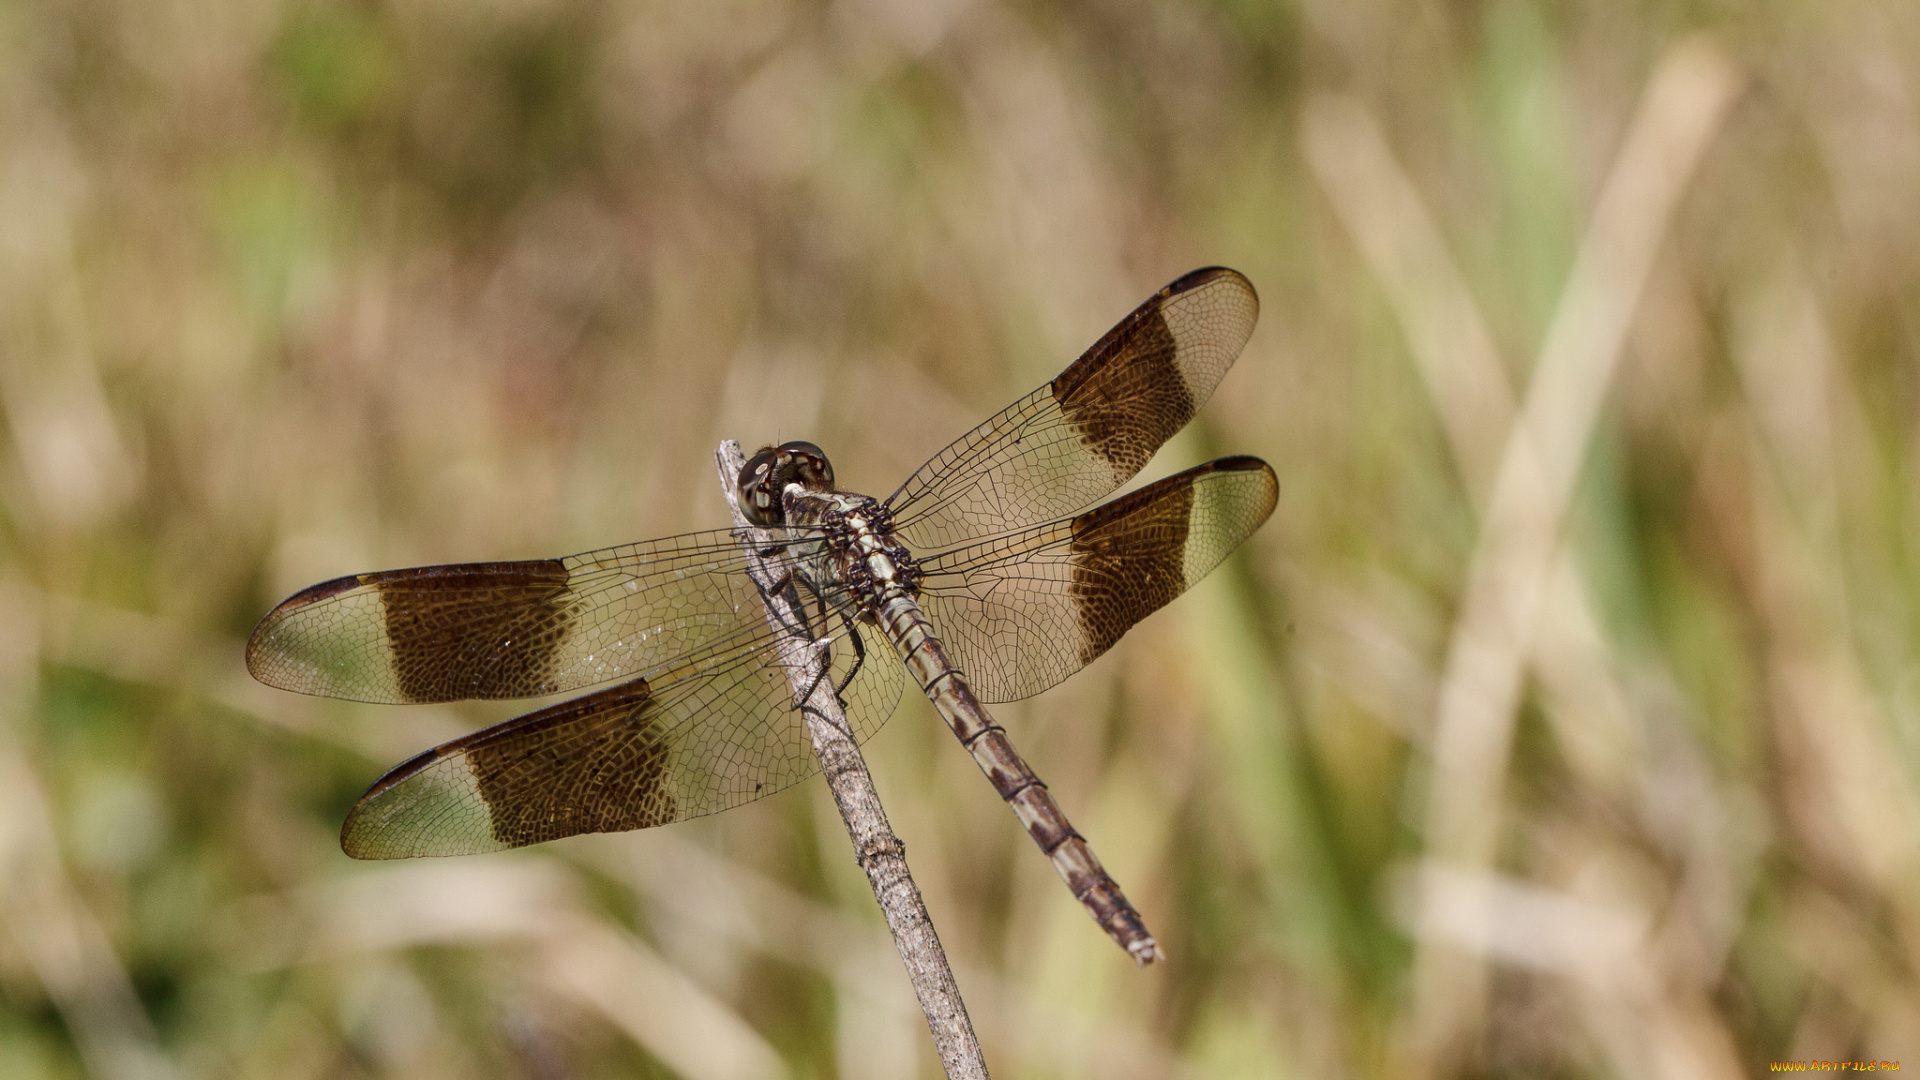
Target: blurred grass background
<point x="1563" y="721"/>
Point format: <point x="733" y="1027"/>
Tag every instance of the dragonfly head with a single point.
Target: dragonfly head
<point x="768" y="473"/>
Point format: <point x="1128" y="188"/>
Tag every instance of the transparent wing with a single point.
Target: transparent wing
<point x="510" y="629"/>
<point x="1079" y="437"/>
<point x="1021" y="612"/>
<point x="712" y="733"/>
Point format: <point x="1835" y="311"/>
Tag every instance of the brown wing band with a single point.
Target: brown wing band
<point x="495" y="625"/>
<point x="536" y="793"/>
<point x="595" y="764"/>
<point x="1129" y="560"/>
<point x="1126" y="396"/>
<point x="1130" y="556"/>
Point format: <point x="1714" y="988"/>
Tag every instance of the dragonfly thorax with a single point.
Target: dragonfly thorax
<point x="859" y="548"/>
<point x="791" y="485"/>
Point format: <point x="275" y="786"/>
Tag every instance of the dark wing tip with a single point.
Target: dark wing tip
<point x="1249" y="463"/>
<point x="313" y="594"/>
<point x="1207" y="275"/>
<point x="1239" y="463"/>
<point x="1245" y="464"/>
<point x="406" y="769"/>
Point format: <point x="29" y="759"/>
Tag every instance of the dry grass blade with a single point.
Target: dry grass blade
<point x="1479" y="691"/>
<point x="1586" y="704"/>
<point x="1845" y="790"/>
<point x="1468" y="382"/>
<point x="1383" y="212"/>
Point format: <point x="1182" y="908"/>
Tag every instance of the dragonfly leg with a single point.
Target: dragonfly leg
<point x="822" y="649"/>
<point x="853" y="635"/>
<point x="824" y="646"/>
<point x="859" y="656"/>
<point x="786" y="586"/>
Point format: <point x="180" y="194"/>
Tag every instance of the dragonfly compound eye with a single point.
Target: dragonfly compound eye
<point x="759" y="497"/>
<point x="768" y="473"/>
<point x="802" y="463"/>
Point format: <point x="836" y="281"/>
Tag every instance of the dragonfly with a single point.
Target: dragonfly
<point x="984" y="574"/>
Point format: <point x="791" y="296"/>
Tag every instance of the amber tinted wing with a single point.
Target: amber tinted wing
<point x="509" y="629"/>
<point x="711" y="733"/>
<point x="1079" y="437"/>
<point x="1021" y="612"/>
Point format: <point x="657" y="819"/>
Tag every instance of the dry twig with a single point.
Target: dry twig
<point x="879" y="852"/>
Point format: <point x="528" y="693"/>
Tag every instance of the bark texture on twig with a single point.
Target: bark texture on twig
<point x="879" y="852"/>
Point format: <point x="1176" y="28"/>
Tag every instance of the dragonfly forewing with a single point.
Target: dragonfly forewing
<point x="1076" y="439"/>
<point x="1019" y="613"/>
<point x="509" y="629"/>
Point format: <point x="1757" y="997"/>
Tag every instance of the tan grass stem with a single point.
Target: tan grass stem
<point x="1513" y="565"/>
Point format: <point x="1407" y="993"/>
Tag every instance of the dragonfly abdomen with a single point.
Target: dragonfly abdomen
<point x="906" y="627"/>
